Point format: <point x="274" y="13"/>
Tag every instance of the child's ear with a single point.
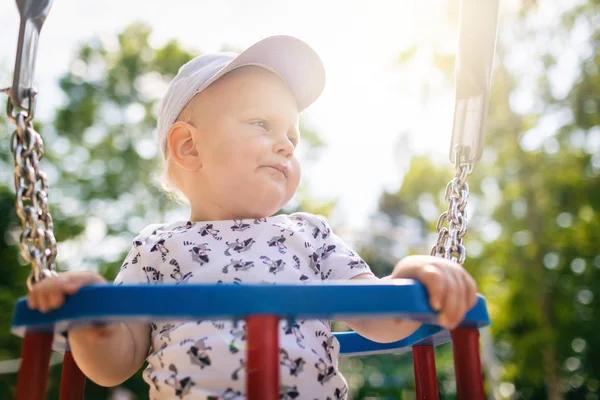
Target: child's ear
<point x="181" y="143"/>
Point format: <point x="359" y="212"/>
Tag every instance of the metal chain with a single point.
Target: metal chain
<point x="452" y="224"/>
<point x="37" y="242"/>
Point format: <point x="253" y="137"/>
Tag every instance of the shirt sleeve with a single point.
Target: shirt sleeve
<point x="132" y="269"/>
<point x="336" y="260"/>
<point x="140" y="266"/>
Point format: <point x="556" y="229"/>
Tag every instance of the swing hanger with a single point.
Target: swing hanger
<point x="473" y="72"/>
<point x="33" y="14"/>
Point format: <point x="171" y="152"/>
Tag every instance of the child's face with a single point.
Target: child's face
<point x="247" y="131"/>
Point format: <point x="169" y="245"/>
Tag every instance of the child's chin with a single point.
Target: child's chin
<point x="266" y="198"/>
<point x="264" y="209"/>
<point x="264" y="212"/>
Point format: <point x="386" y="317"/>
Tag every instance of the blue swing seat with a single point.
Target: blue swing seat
<point x="105" y="303"/>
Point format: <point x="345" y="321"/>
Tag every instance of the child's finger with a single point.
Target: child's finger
<point x="451" y="300"/>
<point x="46" y="294"/>
<point x="471" y="291"/>
<point x="440" y="289"/>
<point x="31" y="303"/>
<point x="39" y="300"/>
<point x="70" y="286"/>
<point x="55" y="299"/>
<point x="435" y="282"/>
<point x="74" y="282"/>
<point x="42" y="301"/>
<point x="461" y="296"/>
<point x="52" y="298"/>
<point x="34" y="298"/>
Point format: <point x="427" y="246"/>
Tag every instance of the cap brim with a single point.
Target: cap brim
<point x="293" y="60"/>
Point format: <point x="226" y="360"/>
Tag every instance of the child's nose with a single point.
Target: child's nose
<point x="284" y="146"/>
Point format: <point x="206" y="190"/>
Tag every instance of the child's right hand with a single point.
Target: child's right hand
<point x="50" y="293"/>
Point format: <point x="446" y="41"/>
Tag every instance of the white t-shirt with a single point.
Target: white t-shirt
<point x="205" y="359"/>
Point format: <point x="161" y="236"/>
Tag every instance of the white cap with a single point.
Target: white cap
<point x="293" y="60"/>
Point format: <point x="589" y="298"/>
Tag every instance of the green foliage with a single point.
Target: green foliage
<point x="532" y="241"/>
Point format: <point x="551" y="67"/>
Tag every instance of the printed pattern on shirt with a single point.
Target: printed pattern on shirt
<point x="206" y="359"/>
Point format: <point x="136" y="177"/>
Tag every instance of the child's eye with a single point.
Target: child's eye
<point x="263" y="124"/>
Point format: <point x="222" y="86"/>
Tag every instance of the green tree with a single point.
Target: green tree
<point x="532" y="240"/>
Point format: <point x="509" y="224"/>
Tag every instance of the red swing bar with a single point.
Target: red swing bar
<point x="72" y="380"/>
<point x="262" y="363"/>
<point x="467" y="364"/>
<point x="32" y="380"/>
<point x="35" y="363"/>
<point x="262" y="370"/>
<point x="425" y="375"/>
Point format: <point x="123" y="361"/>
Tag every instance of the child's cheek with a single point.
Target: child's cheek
<point x="294" y="180"/>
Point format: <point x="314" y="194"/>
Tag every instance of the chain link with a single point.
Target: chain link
<point x="37" y="241"/>
<point x="452" y="224"/>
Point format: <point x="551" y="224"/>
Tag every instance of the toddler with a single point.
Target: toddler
<point x="228" y="131"/>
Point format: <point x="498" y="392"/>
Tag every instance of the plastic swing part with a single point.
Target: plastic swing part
<point x="262" y="365"/>
<point x="467" y="363"/>
<point x="33" y="374"/>
<point x="425" y="374"/>
<point x="72" y="380"/>
<point x="35" y="359"/>
<point x="255" y="304"/>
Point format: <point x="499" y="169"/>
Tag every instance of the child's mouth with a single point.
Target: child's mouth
<point x="279" y="167"/>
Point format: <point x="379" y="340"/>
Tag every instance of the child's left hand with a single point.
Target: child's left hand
<point x="452" y="291"/>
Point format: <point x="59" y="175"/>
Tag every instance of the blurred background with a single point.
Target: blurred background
<point x="375" y="154"/>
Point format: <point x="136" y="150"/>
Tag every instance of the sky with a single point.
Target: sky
<point x="368" y="100"/>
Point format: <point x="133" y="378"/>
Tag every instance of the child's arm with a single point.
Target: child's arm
<point x="112" y="357"/>
<point x="108" y="355"/>
<point x="381" y="330"/>
<point x="452" y="292"/>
